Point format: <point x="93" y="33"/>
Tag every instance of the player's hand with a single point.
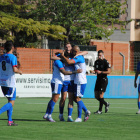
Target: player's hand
<point x="20" y="72"/>
<point x="135" y="84"/>
<point x="79" y="71"/>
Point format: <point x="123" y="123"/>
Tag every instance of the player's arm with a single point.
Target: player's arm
<point x="82" y="53"/>
<point x="66" y="60"/>
<point x="70" y="72"/>
<point x="103" y="72"/>
<point x="16" y="70"/>
<point x="55" y="58"/>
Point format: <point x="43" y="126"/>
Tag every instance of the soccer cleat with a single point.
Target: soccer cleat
<point x="98" y="112"/>
<point x="45" y="116"/>
<point x="12" y="124"/>
<point x="50" y="119"/>
<point x="138" y="112"/>
<point x="87" y="115"/>
<point x="70" y="119"/>
<point x="107" y="107"/>
<point x="78" y="120"/>
<point x="61" y="118"/>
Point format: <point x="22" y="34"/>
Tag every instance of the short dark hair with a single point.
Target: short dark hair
<point x="8" y="45"/>
<point x="100" y="51"/>
<point x="68" y="43"/>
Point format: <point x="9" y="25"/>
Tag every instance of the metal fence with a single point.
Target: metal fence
<point x="37" y="61"/>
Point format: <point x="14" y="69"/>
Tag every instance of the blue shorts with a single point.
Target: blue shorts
<point x="56" y="88"/>
<point x="9" y="92"/>
<point x="68" y="86"/>
<point x="79" y="90"/>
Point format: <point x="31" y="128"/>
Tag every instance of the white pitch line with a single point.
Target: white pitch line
<point x="87" y="106"/>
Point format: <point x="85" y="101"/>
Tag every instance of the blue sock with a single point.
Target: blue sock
<point x="139" y="105"/>
<point x="9" y="114"/>
<point x="79" y="105"/>
<point x="51" y="106"/>
<point x="61" y="109"/>
<point x="70" y="111"/>
<point x="5" y="107"/>
<point x="83" y="106"/>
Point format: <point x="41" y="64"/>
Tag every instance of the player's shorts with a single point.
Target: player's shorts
<point x="56" y="88"/>
<point x="68" y="86"/>
<point x="9" y="92"/>
<point x="101" y="84"/>
<point x="79" y="90"/>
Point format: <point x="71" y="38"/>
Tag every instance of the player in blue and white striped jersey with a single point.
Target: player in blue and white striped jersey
<point x="8" y="68"/>
<point x="79" y="82"/>
<point x="56" y="85"/>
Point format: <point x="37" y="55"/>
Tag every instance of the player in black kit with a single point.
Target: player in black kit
<point x="101" y="68"/>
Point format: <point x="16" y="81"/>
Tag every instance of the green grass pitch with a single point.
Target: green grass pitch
<point x="120" y="123"/>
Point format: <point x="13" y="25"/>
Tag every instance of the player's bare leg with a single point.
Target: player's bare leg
<point x="62" y="104"/>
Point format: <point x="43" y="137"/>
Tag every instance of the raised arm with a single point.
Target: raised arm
<point x="55" y="58"/>
<point x="82" y="53"/>
<point x="66" y="60"/>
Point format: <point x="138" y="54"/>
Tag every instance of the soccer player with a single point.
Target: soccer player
<point x="79" y="81"/>
<point x="102" y="68"/>
<point x="68" y="85"/>
<point x="135" y="85"/>
<point x="8" y="68"/>
<point x="56" y="85"/>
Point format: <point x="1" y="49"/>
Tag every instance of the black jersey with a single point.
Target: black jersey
<point x="101" y="65"/>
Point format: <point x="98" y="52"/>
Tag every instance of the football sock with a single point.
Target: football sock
<point x="61" y="109"/>
<point x="103" y="101"/>
<point x="51" y="106"/>
<point x="9" y="114"/>
<point x="79" y="105"/>
<point x="70" y="111"/>
<point x="83" y="106"/>
<point x="5" y="107"/>
<point x="139" y="105"/>
<point x="100" y="105"/>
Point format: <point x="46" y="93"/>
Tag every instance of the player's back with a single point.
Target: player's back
<point x="80" y="78"/>
<point x="7" y="75"/>
<point x="57" y="77"/>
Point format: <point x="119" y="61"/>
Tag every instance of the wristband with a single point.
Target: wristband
<point x="73" y="72"/>
<point x="102" y="72"/>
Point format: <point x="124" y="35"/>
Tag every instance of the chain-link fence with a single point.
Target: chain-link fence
<point x="37" y="61"/>
<point x="123" y="63"/>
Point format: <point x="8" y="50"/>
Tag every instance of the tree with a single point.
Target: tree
<point x="91" y="16"/>
<point x="11" y="25"/>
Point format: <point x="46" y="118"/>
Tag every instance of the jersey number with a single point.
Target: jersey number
<point x="4" y="65"/>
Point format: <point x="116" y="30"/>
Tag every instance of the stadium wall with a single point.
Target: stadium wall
<point x="38" y="85"/>
<point x="118" y="87"/>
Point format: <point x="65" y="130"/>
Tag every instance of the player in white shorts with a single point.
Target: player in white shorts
<point x="8" y="68"/>
<point x="56" y="85"/>
<point x="79" y="82"/>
